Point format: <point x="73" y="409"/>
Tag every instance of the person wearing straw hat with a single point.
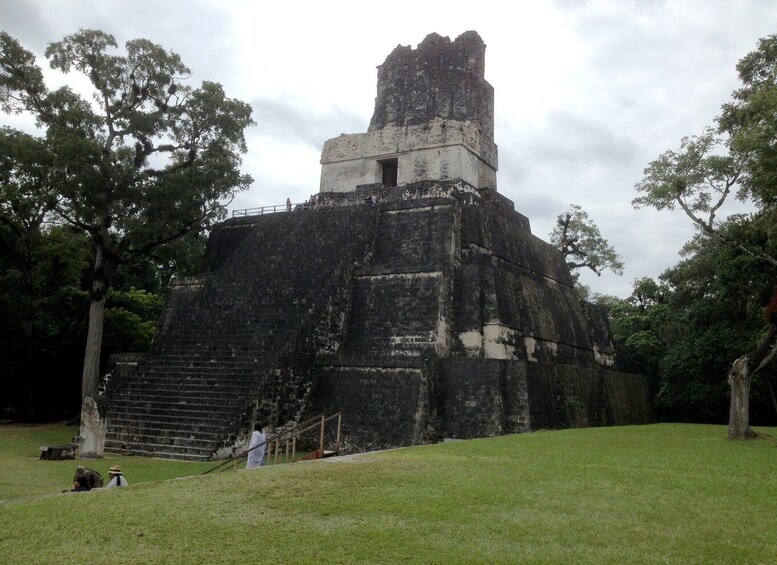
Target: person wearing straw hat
<point x="256" y="447"/>
<point x="117" y="478"/>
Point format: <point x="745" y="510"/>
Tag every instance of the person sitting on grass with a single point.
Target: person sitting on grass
<point x="92" y="478"/>
<point x="117" y="478"/>
<point x="80" y="485"/>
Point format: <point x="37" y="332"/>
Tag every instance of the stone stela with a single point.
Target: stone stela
<point x="412" y="297"/>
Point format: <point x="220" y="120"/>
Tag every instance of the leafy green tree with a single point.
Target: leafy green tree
<point x="718" y="291"/>
<point x="646" y="293"/>
<point x="698" y="180"/>
<point x="582" y="245"/>
<point x="750" y="120"/>
<point x="638" y="325"/>
<point x="42" y="325"/>
<point x="146" y="161"/>
<point x="704" y="174"/>
<point x="25" y="197"/>
<point x="130" y="320"/>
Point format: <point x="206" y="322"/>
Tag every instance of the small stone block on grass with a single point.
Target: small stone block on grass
<point x="58" y="452"/>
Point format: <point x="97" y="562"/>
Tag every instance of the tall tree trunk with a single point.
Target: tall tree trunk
<point x="92" y="433"/>
<point x="740" y="377"/>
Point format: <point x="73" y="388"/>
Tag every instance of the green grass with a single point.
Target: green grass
<point x="22" y="473"/>
<point x="644" y="494"/>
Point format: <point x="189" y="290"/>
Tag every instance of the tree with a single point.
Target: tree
<point x="142" y="164"/>
<point x="698" y="180"/>
<point x="42" y="322"/>
<point x="582" y="245"/>
<point x="638" y="325"/>
<point x="25" y="196"/>
<point x="716" y="299"/>
<point x="702" y="176"/>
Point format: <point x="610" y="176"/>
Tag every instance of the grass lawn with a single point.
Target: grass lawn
<point x="664" y="493"/>
<point x="23" y="474"/>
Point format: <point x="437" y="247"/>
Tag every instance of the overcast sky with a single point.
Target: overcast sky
<point x="586" y="93"/>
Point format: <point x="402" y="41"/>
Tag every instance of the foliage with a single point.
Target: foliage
<point x="639" y="494"/>
<point x="750" y="120"/>
<point x="42" y="320"/>
<point x="738" y="158"/>
<point x="693" y="383"/>
<point x="43" y="324"/>
<point x="25" y="195"/>
<point x="697" y="178"/>
<point x="130" y="320"/>
<point x="155" y="154"/>
<point x="581" y="243"/>
<point x="147" y="161"/>
<point x="637" y="328"/>
<point x="687" y="327"/>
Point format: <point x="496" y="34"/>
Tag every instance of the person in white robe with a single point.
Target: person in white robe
<point x="257" y="447"/>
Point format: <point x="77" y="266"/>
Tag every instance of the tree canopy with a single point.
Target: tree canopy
<point x="145" y="161"/>
<point x="735" y="159"/>
<point x="580" y="241"/>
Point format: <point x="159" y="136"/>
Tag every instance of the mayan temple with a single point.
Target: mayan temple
<point x="409" y="295"/>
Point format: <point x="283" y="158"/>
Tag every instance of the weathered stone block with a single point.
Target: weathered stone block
<point x="58" y="452"/>
<point x="438" y="79"/>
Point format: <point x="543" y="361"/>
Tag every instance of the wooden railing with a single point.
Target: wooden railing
<point x="289" y="440"/>
<point x="263" y="210"/>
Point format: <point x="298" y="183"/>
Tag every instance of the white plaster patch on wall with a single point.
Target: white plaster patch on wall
<point x="442" y="342"/>
<point x="405" y="352"/>
<point x="186" y="283"/>
<point x="419" y="209"/>
<point x="406" y="276"/>
<point x="421" y="167"/>
<point x="498" y="341"/>
<point x="413" y="340"/>
<point x="531" y="348"/>
<point x="534" y="345"/>
<point x="437" y="190"/>
<point x="403" y="139"/>
<point x="479" y="248"/>
<point x="345" y="176"/>
<point x="472" y="341"/>
<point x="604" y="358"/>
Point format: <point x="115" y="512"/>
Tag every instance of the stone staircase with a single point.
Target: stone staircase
<point x="185" y="395"/>
<point x="214" y="361"/>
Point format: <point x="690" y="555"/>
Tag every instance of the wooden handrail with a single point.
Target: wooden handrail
<point x="273" y="208"/>
<point x="291" y="434"/>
